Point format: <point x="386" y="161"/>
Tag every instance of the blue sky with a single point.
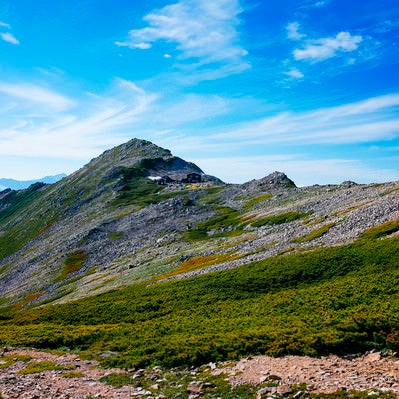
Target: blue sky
<point x="241" y="87"/>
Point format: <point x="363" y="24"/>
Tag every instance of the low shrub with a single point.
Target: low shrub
<point x="317" y="233"/>
<point x="381" y="230"/>
<point x="279" y="219"/>
<point x="117" y="379"/>
<point x="254" y="201"/>
<point x="38" y="367"/>
<point x="73" y="262"/>
<point x="73" y="374"/>
<point x="226" y="220"/>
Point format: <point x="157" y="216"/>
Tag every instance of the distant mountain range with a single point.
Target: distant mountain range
<point x="21" y="184"/>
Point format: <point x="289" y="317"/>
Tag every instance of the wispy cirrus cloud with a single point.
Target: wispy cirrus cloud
<point x="56" y="126"/>
<point x="289" y="136"/>
<point x="8" y="36"/>
<point x="386" y="26"/>
<point x="329" y="47"/>
<point x="36" y="94"/>
<point x="311" y="4"/>
<point x="202" y="31"/>
<point x="364" y="121"/>
<point x="82" y="127"/>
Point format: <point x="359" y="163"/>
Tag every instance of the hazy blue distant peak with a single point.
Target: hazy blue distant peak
<point x="21" y="184"/>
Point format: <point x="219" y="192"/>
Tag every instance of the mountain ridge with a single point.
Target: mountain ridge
<point x="183" y="272"/>
<point x="97" y="223"/>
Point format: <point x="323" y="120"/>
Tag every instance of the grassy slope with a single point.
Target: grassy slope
<point x="340" y="299"/>
<point x="17" y="206"/>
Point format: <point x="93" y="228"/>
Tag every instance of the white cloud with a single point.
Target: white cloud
<point x="193" y="127"/>
<point x="217" y="149"/>
<point x="188" y="109"/>
<point x="201" y="30"/>
<point x="293" y="31"/>
<point x="294" y="73"/>
<point x="364" y="121"/>
<point x="309" y="4"/>
<point x="9" y="38"/>
<point x="321" y="3"/>
<point x="386" y="26"/>
<point x="54" y="129"/>
<point x="322" y="49"/>
<point x="36" y="94"/>
<point x="141" y="45"/>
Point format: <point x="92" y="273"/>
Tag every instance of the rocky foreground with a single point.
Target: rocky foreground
<point x="327" y="374"/>
<point x="22" y="376"/>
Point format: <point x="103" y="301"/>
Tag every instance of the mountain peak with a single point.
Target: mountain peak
<point x="277" y="179"/>
<point x="129" y="153"/>
<point x="149" y="159"/>
<point x="272" y="180"/>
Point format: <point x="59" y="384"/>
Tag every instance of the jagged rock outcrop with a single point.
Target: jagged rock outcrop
<point x="273" y="180"/>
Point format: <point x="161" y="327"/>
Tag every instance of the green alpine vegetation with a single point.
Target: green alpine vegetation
<point x="38" y="367"/>
<point x="72" y="263"/>
<point x="279" y="219"/>
<point x="13" y="205"/>
<point x="332" y="300"/>
<point x="225" y="221"/>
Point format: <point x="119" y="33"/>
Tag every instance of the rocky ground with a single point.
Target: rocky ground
<point x="54" y="383"/>
<point x="272" y="377"/>
<point x="370" y="372"/>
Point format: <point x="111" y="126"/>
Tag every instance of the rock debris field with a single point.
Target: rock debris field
<point x="370" y="372"/>
<point x="327" y="374"/>
<point x="52" y="384"/>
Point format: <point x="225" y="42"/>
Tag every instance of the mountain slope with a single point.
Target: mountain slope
<point x="113" y="258"/>
<point x="40" y="240"/>
<point x="109" y="225"/>
<point x="332" y="300"/>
